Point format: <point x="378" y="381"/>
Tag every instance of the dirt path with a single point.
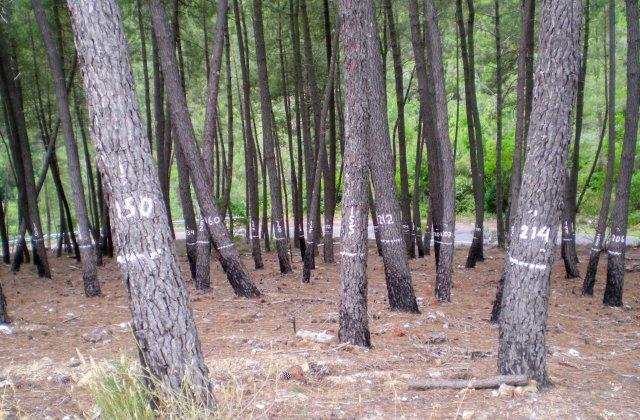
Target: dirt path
<point x="593" y="350"/>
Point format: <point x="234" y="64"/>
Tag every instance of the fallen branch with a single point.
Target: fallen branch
<point x="493" y="382"/>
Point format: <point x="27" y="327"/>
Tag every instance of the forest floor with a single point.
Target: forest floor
<point x="593" y="350"/>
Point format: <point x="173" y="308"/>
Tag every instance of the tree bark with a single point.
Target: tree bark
<point x="87" y="253"/>
<point x="598" y="240"/>
<point x="12" y="95"/>
<point x="394" y="250"/>
<point x="523" y="320"/>
<point x="444" y="270"/>
<point x="467" y="48"/>
<point x="569" y="255"/>
<point x="237" y="274"/>
<point x="163" y="323"/>
<point x="268" y="146"/>
<point x="354" y="30"/>
<point x="330" y="178"/>
<point x="251" y="171"/>
<point x="616" y="250"/>
<point x="4" y="315"/>
<point x="499" y="106"/>
<point x="402" y="141"/>
<point x="319" y="169"/>
<point x="145" y="72"/>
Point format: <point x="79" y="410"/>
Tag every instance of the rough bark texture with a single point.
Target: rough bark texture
<point x="394" y="249"/>
<point x="402" y="141"/>
<point x="188" y="212"/>
<point x="476" y="154"/>
<point x="616" y="249"/>
<point x="319" y="169"/>
<point x="163" y="323"/>
<point x="12" y="95"/>
<point x="4" y="315"/>
<point x="444" y="270"/>
<point x="525" y="57"/>
<point x="330" y="175"/>
<point x="237" y="274"/>
<point x="569" y="255"/>
<point x="354" y="322"/>
<point x="275" y="188"/>
<point x="87" y="254"/>
<point x="523" y="320"/>
<point x="499" y="106"/>
<point x="251" y="171"/>
<point x="599" y="238"/>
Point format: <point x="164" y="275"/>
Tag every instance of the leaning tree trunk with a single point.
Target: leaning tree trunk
<point x="416" y="190"/>
<point x="188" y="212"/>
<point x="87" y="254"/>
<point x="237" y="274"/>
<point x="523" y="321"/>
<point x="4" y="316"/>
<point x="267" y="138"/>
<point x="402" y="141"/>
<point x="569" y="255"/>
<point x="598" y="240"/>
<point x="444" y="270"/>
<point x="163" y="323"/>
<point x="616" y="251"/>
<point x="394" y="249"/>
<point x="251" y="171"/>
<point x="354" y="322"/>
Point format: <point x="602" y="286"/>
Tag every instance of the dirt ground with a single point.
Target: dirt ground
<point x="593" y="355"/>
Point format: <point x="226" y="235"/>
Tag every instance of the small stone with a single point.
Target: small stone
<point x="319" y="337"/>
<point x="437" y="338"/>
<point x="97" y="335"/>
<point x="6" y="384"/>
<point x="506" y="390"/>
<point x="64" y="379"/>
<point x="73" y="362"/>
<point x="6" y="329"/>
<point x="468" y="414"/>
<point x="573" y="352"/>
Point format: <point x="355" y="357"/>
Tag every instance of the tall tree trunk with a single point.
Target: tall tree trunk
<point x="145" y="72"/>
<point x="237" y="274"/>
<point x="523" y="320"/>
<point x="523" y="100"/>
<point x="598" y="241"/>
<point x="426" y="92"/>
<point x="4" y="236"/>
<point x="330" y="176"/>
<point x="402" y="142"/>
<point x="467" y="47"/>
<point x="4" y="315"/>
<point x="394" y="250"/>
<point x="228" y="174"/>
<point x="188" y="211"/>
<point x="569" y="255"/>
<point x="163" y="323"/>
<point x="447" y="177"/>
<point x="499" y="106"/>
<point x="616" y="251"/>
<point x="417" y="190"/>
<point x="251" y="171"/>
<point x="87" y="253"/>
<point x="268" y="146"/>
<point x="11" y="93"/>
<point x="319" y="169"/>
<point x="354" y="323"/>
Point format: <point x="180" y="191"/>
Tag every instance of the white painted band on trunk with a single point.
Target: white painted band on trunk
<point x="351" y="254"/>
<point x="528" y="265"/>
<point x="225" y="246"/>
